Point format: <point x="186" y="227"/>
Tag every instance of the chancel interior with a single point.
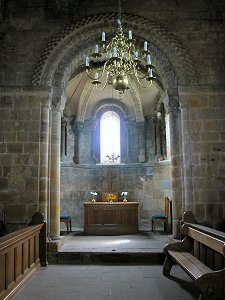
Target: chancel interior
<point x="66" y="143"/>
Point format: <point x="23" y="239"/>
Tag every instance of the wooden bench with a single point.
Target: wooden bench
<point x="201" y="254"/>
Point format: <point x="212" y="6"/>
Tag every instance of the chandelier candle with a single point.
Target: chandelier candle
<point x="103" y="37"/>
<point x="96" y="48"/>
<point x="130" y="35"/>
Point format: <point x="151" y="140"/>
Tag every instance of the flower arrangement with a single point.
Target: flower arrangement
<point x="93" y="196"/>
<point x="124" y="194"/>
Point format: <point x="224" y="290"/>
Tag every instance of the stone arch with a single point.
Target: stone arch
<point x="66" y="53"/>
<point x="109" y="103"/>
<point x="67" y="50"/>
<point x="85" y="99"/>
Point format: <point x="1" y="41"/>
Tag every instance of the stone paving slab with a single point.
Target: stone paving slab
<point x="107" y="282"/>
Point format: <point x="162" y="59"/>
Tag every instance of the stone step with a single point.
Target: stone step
<point x="106" y="257"/>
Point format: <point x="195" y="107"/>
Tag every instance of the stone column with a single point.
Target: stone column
<point x="142" y="154"/>
<point x="187" y="158"/>
<point x="158" y="136"/>
<point x="176" y="159"/>
<point x="44" y="154"/>
<point x="55" y="175"/>
<point x="127" y="125"/>
<point x="63" y="139"/>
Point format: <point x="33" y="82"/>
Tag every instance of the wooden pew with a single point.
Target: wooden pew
<point x="21" y="254"/>
<point x="201" y="254"/>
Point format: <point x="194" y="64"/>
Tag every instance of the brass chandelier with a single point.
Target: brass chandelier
<point x="118" y="59"/>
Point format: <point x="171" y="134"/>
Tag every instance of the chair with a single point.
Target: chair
<point x="163" y="218"/>
<point x="67" y="220"/>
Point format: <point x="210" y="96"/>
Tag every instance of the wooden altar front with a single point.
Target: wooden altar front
<point x="104" y="218"/>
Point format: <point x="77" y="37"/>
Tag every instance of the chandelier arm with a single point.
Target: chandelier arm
<point x="136" y="73"/>
<point x="144" y="86"/>
<point x="92" y="78"/>
<point x="104" y="67"/>
<point x="105" y="84"/>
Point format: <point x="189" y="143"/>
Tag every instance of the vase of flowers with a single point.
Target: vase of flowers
<point x="94" y="194"/>
<point x="124" y="194"/>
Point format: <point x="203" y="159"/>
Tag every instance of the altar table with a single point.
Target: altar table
<point x="104" y="218"/>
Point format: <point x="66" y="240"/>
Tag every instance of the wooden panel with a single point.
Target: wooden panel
<point x="105" y="218"/>
<point x="10" y="270"/>
<point x="15" y="254"/>
<point x="31" y="251"/>
<point x="25" y="256"/>
<point x="196" y="249"/>
<point x="210" y="258"/>
<point x="36" y="247"/>
<point x="18" y="261"/>
<point x="2" y="272"/>
<point x="219" y="262"/>
<point x="210" y="241"/>
<point x="202" y="253"/>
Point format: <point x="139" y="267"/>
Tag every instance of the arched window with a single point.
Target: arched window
<point x="110" y="138"/>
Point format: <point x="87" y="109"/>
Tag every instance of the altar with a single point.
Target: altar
<point x="104" y="218"/>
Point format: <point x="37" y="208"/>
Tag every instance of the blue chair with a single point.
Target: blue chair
<point x="67" y="220"/>
<point x="162" y="218"/>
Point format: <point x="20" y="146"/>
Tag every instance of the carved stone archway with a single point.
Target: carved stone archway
<point x="67" y="51"/>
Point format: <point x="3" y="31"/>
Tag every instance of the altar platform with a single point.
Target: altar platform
<point x="78" y="275"/>
<point x="144" y="247"/>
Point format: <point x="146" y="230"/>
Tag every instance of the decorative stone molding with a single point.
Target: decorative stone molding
<point x="110" y="103"/>
<point x="67" y="50"/>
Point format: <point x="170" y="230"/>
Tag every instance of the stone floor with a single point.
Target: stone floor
<point x="105" y="281"/>
<point x="142" y="242"/>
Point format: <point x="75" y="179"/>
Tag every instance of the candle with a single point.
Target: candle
<point x="148" y="59"/>
<point x="150" y="73"/>
<point x="103" y="36"/>
<point x="136" y="54"/>
<point x="110" y="54"/>
<point x="87" y="61"/>
<point x="145" y="46"/>
<point x="114" y="52"/>
<point x="96" y="76"/>
<point x="119" y="22"/>
<point x="130" y="35"/>
<point x="96" y="48"/>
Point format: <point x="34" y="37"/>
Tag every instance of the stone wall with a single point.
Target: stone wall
<point x="19" y="160"/>
<point x="145" y="184"/>
<point x="203" y="119"/>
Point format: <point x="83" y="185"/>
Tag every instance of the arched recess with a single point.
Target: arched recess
<point x="85" y="107"/>
<point x="66" y="53"/>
